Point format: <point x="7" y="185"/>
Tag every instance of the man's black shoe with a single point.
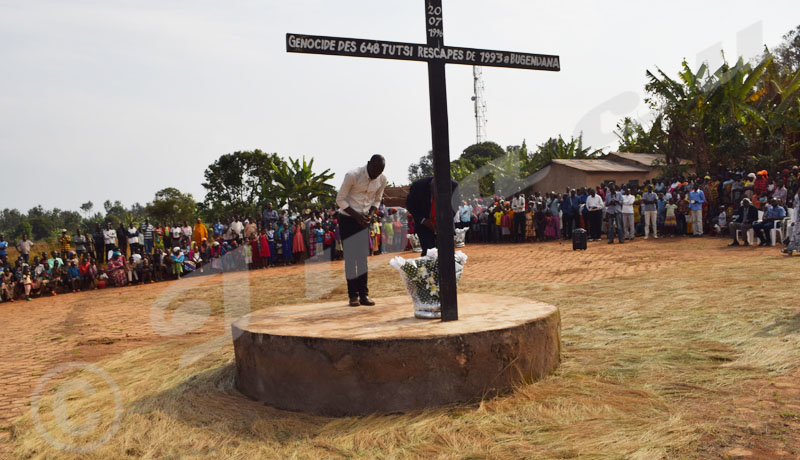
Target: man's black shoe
<point x="365" y="300"/>
<point x="354" y="302"/>
<point x="735" y="243"/>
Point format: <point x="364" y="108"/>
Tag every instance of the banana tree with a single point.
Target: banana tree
<point x="295" y="184"/>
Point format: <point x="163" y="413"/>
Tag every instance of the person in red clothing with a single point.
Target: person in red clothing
<point x="327" y="243"/>
<point x="263" y="250"/>
<point x="505" y="226"/>
<point x="256" y="254"/>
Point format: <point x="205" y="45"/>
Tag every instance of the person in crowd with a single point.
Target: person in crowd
<point x="74" y="277"/>
<point x="147" y="234"/>
<point x="298" y="245"/>
<point x="218" y="229"/>
<point x="772" y="215"/>
<point x="80" y="243"/>
<point x="9" y="285"/>
<point x="613" y="206"/>
<point x="176" y="262"/>
<point x="3" y="246"/>
<point x="570" y="206"/>
<point x="670" y="221"/>
<point x="109" y="242"/>
<point x="115" y="269"/>
<point x="594" y="206"/>
<point x="24" y="247"/>
<point x="628" y="212"/>
<point x="650" y="213"/>
<point x="696" y="201"/>
<point x="200" y="232"/>
<point x="518" y="206"/>
<point x="65" y="243"/>
<point x="186" y="234"/>
<point x="746" y="216"/>
<point x="133" y="236"/>
<point x="269" y="216"/>
<point x="175" y="235"/>
<point x="122" y="240"/>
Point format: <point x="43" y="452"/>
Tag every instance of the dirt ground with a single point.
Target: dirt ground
<point x="724" y="381"/>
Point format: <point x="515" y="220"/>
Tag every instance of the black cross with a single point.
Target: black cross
<point x="436" y="54"/>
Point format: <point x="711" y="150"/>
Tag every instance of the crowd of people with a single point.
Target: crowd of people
<point x="151" y="252"/>
<point x="732" y="204"/>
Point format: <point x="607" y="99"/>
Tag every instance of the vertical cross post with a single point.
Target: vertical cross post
<point x="437" y="89"/>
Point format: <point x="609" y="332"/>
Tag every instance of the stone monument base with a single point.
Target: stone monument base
<point x="335" y="360"/>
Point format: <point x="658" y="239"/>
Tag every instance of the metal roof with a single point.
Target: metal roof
<point x="645" y="159"/>
<point x="601" y="166"/>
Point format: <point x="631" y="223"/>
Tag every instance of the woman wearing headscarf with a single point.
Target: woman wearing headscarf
<point x="115" y="269"/>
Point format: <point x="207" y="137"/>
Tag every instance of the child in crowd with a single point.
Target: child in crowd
<point x="670" y="221"/>
<point x="74" y="277"/>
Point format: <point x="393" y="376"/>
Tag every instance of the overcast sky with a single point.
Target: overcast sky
<point x="117" y="99"/>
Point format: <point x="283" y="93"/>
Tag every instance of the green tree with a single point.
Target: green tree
<point x="297" y="185"/>
<point x="170" y="205"/>
<point x="422" y="168"/>
<point x="239" y="182"/>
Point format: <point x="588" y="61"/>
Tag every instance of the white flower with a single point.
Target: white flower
<point x="423" y="272"/>
<point x="434" y="290"/>
<point x="397" y="262"/>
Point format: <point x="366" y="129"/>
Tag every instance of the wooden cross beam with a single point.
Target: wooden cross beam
<point x="436" y="54"/>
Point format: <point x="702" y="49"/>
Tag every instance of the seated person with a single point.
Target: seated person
<point x="744" y="219"/>
<point x="773" y="214"/>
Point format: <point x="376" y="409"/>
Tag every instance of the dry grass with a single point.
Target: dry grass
<point x="650" y="366"/>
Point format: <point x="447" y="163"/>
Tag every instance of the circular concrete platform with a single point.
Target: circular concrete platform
<point x="336" y="360"/>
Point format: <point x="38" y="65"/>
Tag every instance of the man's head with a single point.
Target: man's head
<point x="591" y="192"/>
<point x="375" y="166"/>
<point x="269" y="206"/>
<point x="572" y="192"/>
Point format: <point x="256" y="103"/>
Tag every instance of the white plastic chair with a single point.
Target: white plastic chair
<point x="751" y="235"/>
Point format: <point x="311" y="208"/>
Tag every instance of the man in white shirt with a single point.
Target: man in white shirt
<point x="109" y="238"/>
<point x="594" y="206"/>
<point x="518" y="206"/>
<point x="358" y="199"/>
<point x="627" y="213"/>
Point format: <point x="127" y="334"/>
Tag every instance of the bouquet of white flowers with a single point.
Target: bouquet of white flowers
<point x="414" y="239"/>
<point x="421" y="277"/>
<point x="460" y="237"/>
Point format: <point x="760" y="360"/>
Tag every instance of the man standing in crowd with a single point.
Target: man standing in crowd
<point x="614" y="214"/>
<point x="109" y="240"/>
<point x="358" y="199"/>
<point x="628" y="201"/>
<point x="696" y="200"/>
<point x="570" y="206"/>
<point x="24" y="247"/>
<point x="594" y="207"/>
<point x="269" y="217"/>
<point x="518" y="206"/>
<point x="650" y="212"/>
<point x="746" y="216"/>
<point x="3" y="246"/>
<point x="146" y="233"/>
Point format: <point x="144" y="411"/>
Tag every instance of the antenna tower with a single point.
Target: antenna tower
<point x="480" y="104"/>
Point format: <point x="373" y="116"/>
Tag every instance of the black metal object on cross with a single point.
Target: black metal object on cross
<point x="436" y="54"/>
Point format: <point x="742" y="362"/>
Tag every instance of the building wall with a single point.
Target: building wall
<point x="559" y="176"/>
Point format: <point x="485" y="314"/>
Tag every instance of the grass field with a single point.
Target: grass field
<point x="670" y="350"/>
